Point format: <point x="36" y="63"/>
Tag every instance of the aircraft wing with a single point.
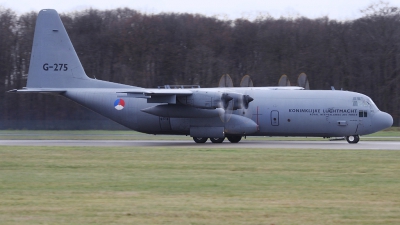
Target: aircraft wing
<point x="199" y="97"/>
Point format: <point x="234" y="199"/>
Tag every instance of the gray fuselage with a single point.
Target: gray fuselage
<point x="318" y="113"/>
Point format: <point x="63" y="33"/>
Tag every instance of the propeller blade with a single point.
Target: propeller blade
<point x="302" y="81"/>
<point x="284" y="81"/>
<point x="225" y="81"/>
<point x="246" y="82"/>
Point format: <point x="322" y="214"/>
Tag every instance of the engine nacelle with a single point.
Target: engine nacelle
<point x="202" y="99"/>
<point x="213" y="100"/>
<point x="240" y="125"/>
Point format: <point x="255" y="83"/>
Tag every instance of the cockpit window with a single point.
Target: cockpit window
<point x="355" y="102"/>
<point x="359" y="101"/>
<point x="372" y="104"/>
<point x="365" y="102"/>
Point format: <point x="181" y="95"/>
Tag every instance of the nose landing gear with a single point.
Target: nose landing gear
<point x="354" y="139"/>
<point x="234" y="139"/>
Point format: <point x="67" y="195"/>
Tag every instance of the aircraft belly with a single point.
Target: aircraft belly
<point x="180" y="125"/>
<point x="287" y="125"/>
<point x="301" y="126"/>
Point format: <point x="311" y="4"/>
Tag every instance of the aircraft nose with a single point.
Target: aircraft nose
<point x="382" y="121"/>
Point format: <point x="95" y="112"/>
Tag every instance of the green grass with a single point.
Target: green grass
<point x="83" y="135"/>
<point x="92" y="185"/>
<point x="391" y="134"/>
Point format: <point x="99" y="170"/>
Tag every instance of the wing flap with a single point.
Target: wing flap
<point x="157" y="95"/>
<point x="154" y="92"/>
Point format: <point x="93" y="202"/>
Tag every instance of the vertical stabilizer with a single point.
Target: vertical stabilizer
<point x="54" y="62"/>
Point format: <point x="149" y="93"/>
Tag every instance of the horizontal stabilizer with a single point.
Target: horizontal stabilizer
<point x="38" y="90"/>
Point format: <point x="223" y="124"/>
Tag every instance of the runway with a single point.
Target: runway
<point x="244" y="144"/>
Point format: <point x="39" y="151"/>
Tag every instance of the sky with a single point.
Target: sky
<point x="224" y="9"/>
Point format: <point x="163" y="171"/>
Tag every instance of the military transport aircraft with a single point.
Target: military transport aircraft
<point x="203" y="113"/>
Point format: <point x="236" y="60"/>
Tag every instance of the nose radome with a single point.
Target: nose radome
<point x="382" y="121"/>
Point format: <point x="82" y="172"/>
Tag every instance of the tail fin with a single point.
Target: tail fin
<point x="54" y="62"/>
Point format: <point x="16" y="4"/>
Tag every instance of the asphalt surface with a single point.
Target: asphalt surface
<point x="244" y="144"/>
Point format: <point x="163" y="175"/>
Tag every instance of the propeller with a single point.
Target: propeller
<point x="227" y="106"/>
<point x="246" y="99"/>
<point x="226" y="100"/>
<point x="302" y="81"/>
<point x="231" y="101"/>
<point x="284" y="81"/>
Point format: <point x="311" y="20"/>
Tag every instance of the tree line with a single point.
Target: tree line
<point x="148" y="50"/>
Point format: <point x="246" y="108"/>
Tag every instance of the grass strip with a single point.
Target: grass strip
<point x="156" y="185"/>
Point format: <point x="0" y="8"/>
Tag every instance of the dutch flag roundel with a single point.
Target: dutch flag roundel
<point x="119" y="104"/>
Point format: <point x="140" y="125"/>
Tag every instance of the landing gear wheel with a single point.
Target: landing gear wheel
<point x="234" y="139"/>
<point x="200" y="140"/>
<point x="353" y="139"/>
<point x="217" y="140"/>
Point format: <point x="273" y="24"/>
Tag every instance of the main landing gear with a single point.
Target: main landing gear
<point x="353" y="139"/>
<point x="232" y="139"/>
<point x="200" y="140"/>
<point x="217" y="140"/>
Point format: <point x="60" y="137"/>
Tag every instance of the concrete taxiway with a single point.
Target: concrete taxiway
<point x="244" y="144"/>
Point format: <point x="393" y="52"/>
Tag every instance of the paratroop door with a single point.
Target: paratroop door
<point x="274" y="118"/>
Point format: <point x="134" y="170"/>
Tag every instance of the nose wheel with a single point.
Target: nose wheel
<point x="234" y="139"/>
<point x="353" y="139"/>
